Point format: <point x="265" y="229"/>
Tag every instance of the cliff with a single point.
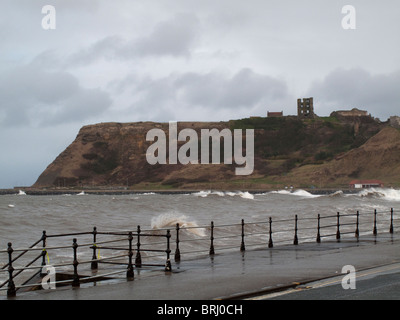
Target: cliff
<point x="323" y="152"/>
<point x="378" y="158"/>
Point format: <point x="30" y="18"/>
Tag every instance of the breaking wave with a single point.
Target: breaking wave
<point x="171" y="219"/>
<point x="206" y="193"/>
<point x="386" y="194"/>
<point x="299" y="193"/>
<point x="336" y="194"/>
<point x="246" y="195"/>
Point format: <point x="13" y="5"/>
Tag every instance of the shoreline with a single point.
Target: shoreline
<point x="46" y="192"/>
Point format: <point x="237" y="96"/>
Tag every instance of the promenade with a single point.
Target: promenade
<point x="237" y="275"/>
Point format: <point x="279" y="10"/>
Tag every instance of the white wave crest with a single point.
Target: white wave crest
<point x="171" y="219"/>
<point x="336" y="194"/>
<point x="299" y="193"/>
<point x="281" y="192"/>
<point x="244" y="195"/>
<point x="386" y="194"/>
<point x="303" y="193"/>
<point x="202" y="193"/>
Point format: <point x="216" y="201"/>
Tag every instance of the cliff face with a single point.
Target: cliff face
<point x="321" y="152"/>
<point x="378" y="158"/>
<point x="114" y="154"/>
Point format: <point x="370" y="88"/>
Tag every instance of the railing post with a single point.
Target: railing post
<point x="319" y="229"/>
<point x="94" y="264"/>
<point x="75" y="279"/>
<point x="375" y="231"/>
<point x="357" y="233"/>
<point x="242" y="246"/>
<point x="296" y="239"/>
<point x="391" y="221"/>
<point x="138" y="259"/>
<point x="129" y="271"/>
<point x="11" y="290"/>
<point x="338" y="227"/>
<point x="177" y="251"/>
<point x="212" y="239"/>
<point x="44" y="252"/>
<point x="168" y="266"/>
<point x="270" y="243"/>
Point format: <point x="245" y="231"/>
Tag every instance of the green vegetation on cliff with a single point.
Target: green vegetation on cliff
<point x="306" y="141"/>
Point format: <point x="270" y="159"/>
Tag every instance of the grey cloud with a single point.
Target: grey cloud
<point x="174" y="37"/>
<point x="211" y="92"/>
<point x="81" y="105"/>
<point x="358" y="88"/>
<point x="82" y="5"/>
<point x="31" y="95"/>
<point x="105" y="48"/>
<point x="244" y="89"/>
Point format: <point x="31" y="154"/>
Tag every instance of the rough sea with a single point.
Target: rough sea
<point x="23" y="217"/>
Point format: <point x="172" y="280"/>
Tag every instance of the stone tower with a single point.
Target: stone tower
<point x="305" y="108"/>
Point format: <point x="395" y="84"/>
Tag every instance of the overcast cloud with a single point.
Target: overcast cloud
<point x="358" y="88"/>
<point x="155" y="60"/>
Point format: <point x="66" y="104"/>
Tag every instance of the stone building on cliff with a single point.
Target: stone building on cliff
<point x="305" y="108"/>
<point x="351" y="113"/>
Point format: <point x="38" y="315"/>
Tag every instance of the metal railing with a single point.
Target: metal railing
<point x="124" y="251"/>
<point x="189" y="241"/>
<point x="284" y="231"/>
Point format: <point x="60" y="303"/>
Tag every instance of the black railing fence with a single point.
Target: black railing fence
<point x="139" y="249"/>
<point x="117" y="248"/>
<point x="277" y="231"/>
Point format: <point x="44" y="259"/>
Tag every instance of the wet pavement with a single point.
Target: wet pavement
<point x="381" y="283"/>
<point x="238" y="275"/>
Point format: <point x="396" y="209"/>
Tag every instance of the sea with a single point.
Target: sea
<point x="23" y="218"/>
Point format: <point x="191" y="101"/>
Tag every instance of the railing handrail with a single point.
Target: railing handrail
<point x="272" y="229"/>
<point x="32" y="247"/>
<point x="94" y="245"/>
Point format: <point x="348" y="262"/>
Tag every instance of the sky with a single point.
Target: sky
<point x="176" y="60"/>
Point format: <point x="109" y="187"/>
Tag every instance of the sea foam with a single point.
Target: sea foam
<point x="206" y="193"/>
<point x="384" y="193"/>
<point x="166" y="220"/>
<point x="299" y="193"/>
